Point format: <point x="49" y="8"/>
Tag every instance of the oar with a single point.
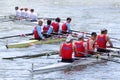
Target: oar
<point x="80" y="32"/>
<point x="116" y="47"/>
<point x="27" y="34"/>
<point x="115" y="38"/>
<point x="46" y="18"/>
<point x="112" y="60"/>
<point x="32" y="56"/>
<point x="109" y="50"/>
<point x="100" y="56"/>
<point x="107" y="59"/>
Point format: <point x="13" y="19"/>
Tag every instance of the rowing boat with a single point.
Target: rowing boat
<point x="77" y="63"/>
<point x="25" y="22"/>
<point x="24" y="44"/>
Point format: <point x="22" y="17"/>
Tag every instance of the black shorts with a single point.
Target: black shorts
<point x="103" y="50"/>
<point x="67" y="60"/>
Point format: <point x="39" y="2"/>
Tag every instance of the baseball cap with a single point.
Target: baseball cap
<point x="69" y="38"/>
<point x="80" y="35"/>
<point x="103" y="29"/>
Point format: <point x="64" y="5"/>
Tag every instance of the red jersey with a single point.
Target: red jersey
<point x="55" y="26"/>
<point x="64" y="27"/>
<point x="45" y="28"/>
<point x="88" y="46"/>
<point x="36" y="36"/>
<point x="79" y="48"/>
<point x="66" y="51"/>
<point x="101" y="41"/>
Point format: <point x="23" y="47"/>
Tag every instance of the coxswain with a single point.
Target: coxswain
<point x="66" y="28"/>
<point x="56" y="25"/>
<point x="91" y="43"/>
<point x="33" y="16"/>
<point x="80" y="46"/>
<point x="38" y="31"/>
<point x="67" y="49"/>
<point x="18" y="13"/>
<point x="102" y="40"/>
<point x="48" y="29"/>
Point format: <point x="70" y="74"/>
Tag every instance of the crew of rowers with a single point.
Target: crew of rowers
<point x="25" y="13"/>
<point x="52" y="27"/>
<point x="82" y="48"/>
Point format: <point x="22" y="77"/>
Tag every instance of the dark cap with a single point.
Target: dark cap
<point x="93" y="34"/>
<point x="103" y="30"/>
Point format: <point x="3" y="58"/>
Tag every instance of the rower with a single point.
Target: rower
<point x="22" y="13"/>
<point x="33" y="16"/>
<point x="27" y="14"/>
<point x="18" y="13"/>
<point x="56" y="25"/>
<point x="66" y="50"/>
<point x="102" y="40"/>
<point x="38" y="31"/>
<point x="66" y="26"/>
<point x="79" y="46"/>
<point x="47" y="29"/>
<point x="91" y="43"/>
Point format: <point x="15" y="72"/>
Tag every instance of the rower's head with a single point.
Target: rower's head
<point x="104" y="31"/>
<point x="40" y="22"/>
<point x="48" y="22"/>
<point x="93" y="35"/>
<point x="69" y="39"/>
<point x="26" y="9"/>
<point x="68" y="19"/>
<point x="57" y="19"/>
<point x="16" y="7"/>
<point x="80" y="36"/>
<point x="21" y="9"/>
<point x="31" y="10"/>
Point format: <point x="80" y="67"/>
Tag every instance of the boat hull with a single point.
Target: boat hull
<point x="34" y="42"/>
<point x="62" y="65"/>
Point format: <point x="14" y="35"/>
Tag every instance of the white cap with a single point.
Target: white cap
<point x="103" y="29"/>
<point x="80" y="35"/>
<point x="69" y="38"/>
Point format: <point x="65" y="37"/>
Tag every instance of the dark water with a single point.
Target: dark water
<point x="86" y="16"/>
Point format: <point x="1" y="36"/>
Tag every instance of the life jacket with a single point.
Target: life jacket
<point x="88" y="46"/>
<point x="36" y="36"/>
<point x="64" y="27"/>
<point x="79" y="48"/>
<point x="101" y="41"/>
<point x="66" y="51"/>
<point x="55" y="26"/>
<point x="46" y="28"/>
